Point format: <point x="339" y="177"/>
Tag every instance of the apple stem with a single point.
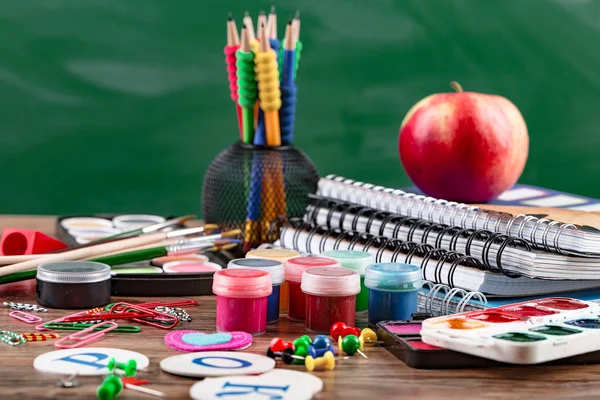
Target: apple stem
<point x="456" y="86"/>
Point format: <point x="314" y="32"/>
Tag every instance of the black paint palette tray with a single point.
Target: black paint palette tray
<point x="402" y="339"/>
<point x="148" y="284"/>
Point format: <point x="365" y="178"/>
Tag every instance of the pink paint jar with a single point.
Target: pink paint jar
<point x="330" y="297"/>
<point x="294" y="267"/>
<point x="242" y="300"/>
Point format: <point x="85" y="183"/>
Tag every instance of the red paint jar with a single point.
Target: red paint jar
<point x="330" y="297"/>
<point x="294" y="267"/>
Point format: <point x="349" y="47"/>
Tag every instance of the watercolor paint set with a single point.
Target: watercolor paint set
<point x="169" y="275"/>
<point x="403" y="340"/>
<point x="530" y="332"/>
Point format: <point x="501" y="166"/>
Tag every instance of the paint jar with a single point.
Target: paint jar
<point x="393" y="290"/>
<point x="294" y="267"/>
<point x="330" y="297"/>
<point x="242" y="300"/>
<point x="277" y="271"/>
<point x="278" y="255"/>
<point x="357" y="261"/>
<point x="73" y="284"/>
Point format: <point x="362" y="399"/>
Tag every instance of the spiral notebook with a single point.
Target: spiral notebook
<point x="498" y="252"/>
<point x="539" y="232"/>
<point x="437" y="265"/>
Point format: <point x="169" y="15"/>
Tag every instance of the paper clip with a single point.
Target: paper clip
<point x="80" y="338"/>
<point x="41" y="326"/>
<point x="104" y="317"/>
<point x="11" y="338"/>
<point x="39" y="337"/>
<point x="74" y="326"/>
<point x="164" y="318"/>
<point x="116" y="307"/>
<point x="23" y="316"/>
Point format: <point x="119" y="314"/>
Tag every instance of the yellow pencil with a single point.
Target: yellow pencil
<point x="269" y="93"/>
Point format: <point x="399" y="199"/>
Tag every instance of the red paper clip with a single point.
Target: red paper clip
<point x="180" y="303"/>
<point x="163" y="316"/>
<point x="108" y="316"/>
<point x="23" y="316"/>
<point x="80" y="341"/>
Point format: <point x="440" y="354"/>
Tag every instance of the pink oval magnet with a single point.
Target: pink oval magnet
<point x="239" y="340"/>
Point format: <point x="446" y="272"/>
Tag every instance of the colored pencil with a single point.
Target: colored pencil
<point x="268" y="84"/>
<point x="233" y="44"/>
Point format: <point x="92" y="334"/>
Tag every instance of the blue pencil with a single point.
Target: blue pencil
<point x="287" y="112"/>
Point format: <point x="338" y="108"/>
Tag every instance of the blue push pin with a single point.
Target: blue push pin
<point x="322" y="345"/>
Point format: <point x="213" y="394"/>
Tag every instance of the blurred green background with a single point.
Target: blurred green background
<point x="120" y="106"/>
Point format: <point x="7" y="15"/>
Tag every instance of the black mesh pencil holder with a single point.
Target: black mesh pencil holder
<point x="257" y="189"/>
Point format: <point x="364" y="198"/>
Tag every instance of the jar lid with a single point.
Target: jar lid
<point x="353" y="259"/>
<point x="73" y="272"/>
<point x="393" y="277"/>
<point x="294" y="267"/>
<point x="242" y="283"/>
<point x="328" y="281"/>
<point x="273" y="254"/>
<point x="273" y="267"/>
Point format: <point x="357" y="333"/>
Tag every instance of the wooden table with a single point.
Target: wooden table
<point x="381" y="376"/>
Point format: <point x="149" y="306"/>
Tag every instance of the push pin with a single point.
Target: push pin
<point x="278" y="345"/>
<point x="110" y="388"/>
<point x="340" y="329"/>
<point x="351" y="344"/>
<point x="70" y="382"/>
<point x="368" y="336"/>
<point x="287" y="355"/>
<point x="130" y="368"/>
<point x="302" y="341"/>
<point x="327" y="361"/>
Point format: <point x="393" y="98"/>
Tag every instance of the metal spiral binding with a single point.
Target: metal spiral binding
<point x="446" y="302"/>
<point x="489" y="238"/>
<point x="340" y="188"/>
<point x="401" y="251"/>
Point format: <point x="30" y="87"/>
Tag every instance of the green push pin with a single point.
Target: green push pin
<point x="303" y="341"/>
<point x="301" y="351"/>
<point x="130" y="368"/>
<point x="110" y="388"/>
<point x="351" y="344"/>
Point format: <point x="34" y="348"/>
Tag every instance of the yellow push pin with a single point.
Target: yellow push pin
<point x="327" y="361"/>
<point x="368" y="336"/>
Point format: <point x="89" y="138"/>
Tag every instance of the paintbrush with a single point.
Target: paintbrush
<point x="184" y="246"/>
<point x="98" y="250"/>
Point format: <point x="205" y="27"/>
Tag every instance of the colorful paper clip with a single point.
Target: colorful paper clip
<point x="11" y="338"/>
<point x="39" y="337"/>
<point x="23" y="316"/>
<point x="80" y="338"/>
<point x="108" y="316"/>
<point x="75" y="326"/>
<point x="118" y="307"/>
<point x="160" y="320"/>
<point x="41" y="327"/>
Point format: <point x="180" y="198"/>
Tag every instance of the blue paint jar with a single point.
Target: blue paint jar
<point x="393" y="290"/>
<point x="277" y="271"/>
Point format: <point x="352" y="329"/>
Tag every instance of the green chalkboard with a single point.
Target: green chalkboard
<point x="120" y="106"/>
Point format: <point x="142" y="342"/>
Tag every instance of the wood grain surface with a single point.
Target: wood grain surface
<point x="381" y="376"/>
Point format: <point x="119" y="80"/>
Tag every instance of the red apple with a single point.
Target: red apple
<point x="465" y="146"/>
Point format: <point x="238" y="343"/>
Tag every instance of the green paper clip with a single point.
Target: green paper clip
<point x="11" y="338"/>
<point x="75" y="326"/>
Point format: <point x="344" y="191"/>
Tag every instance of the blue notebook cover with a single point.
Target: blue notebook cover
<point x="534" y="196"/>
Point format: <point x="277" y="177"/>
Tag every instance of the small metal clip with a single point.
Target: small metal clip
<point x="11" y="338"/>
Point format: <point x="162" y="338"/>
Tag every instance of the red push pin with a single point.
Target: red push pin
<point x="277" y="345"/>
<point x="340" y="329"/>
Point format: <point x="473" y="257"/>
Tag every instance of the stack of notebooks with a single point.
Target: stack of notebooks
<point x="470" y="258"/>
